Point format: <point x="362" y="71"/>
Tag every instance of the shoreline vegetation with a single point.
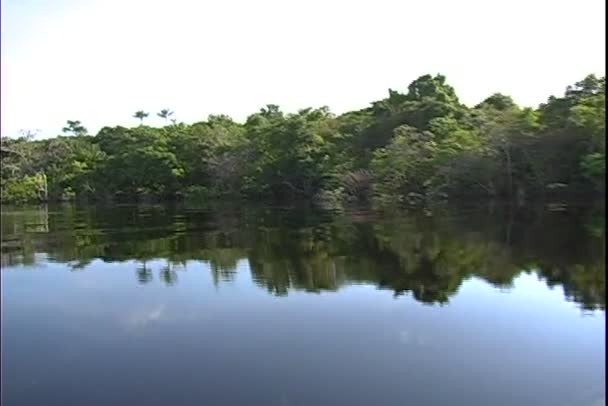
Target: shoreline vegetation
<point x="411" y="148"/>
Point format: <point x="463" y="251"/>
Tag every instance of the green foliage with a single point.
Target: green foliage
<point x="140" y="114"/>
<point x="594" y="168"/>
<point x="24" y="190"/>
<point x="140" y="162"/>
<point x="423" y="142"/>
<point x="406" y="164"/>
<point x="74" y="128"/>
<point x="165" y="114"/>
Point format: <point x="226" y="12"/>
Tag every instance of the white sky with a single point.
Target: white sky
<point x="99" y="61"/>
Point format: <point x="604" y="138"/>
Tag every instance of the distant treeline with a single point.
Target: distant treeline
<point x="412" y="147"/>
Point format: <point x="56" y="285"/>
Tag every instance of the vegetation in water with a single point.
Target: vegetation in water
<point x="414" y="147"/>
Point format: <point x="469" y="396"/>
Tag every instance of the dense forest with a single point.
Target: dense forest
<point x="412" y="147"/>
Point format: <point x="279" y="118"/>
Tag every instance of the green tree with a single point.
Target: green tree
<point x="165" y="114"/>
<point x="420" y="142"/>
<point x="141" y="115"/>
<point x="75" y="128"/>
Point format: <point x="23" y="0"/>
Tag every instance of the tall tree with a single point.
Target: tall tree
<point x="165" y="114"/>
<point x="141" y="115"/>
<point x="74" y="127"/>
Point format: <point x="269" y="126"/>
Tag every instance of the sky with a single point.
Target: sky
<point x="99" y="61"/>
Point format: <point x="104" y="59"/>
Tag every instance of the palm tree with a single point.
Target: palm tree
<point x="165" y="113"/>
<point x="141" y="115"/>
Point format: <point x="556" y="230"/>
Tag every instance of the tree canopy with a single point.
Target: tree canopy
<point x="416" y="145"/>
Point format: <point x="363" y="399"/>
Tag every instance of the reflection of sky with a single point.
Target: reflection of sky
<point x="99" y="329"/>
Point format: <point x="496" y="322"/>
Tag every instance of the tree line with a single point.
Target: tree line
<point x="411" y="147"/>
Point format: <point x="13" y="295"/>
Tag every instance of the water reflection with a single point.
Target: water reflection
<point x="426" y="257"/>
<point x="167" y="306"/>
<point x="144" y="274"/>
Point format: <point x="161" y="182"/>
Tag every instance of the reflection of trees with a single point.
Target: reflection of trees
<point x="426" y="257"/>
<point x="584" y="284"/>
<point x="304" y="258"/>
<point x="223" y="262"/>
<point x="169" y="276"/>
<point x="144" y="274"/>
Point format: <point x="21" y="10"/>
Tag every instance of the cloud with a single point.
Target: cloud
<point x="142" y="318"/>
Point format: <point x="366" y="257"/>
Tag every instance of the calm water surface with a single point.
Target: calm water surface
<point x="174" y="306"/>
